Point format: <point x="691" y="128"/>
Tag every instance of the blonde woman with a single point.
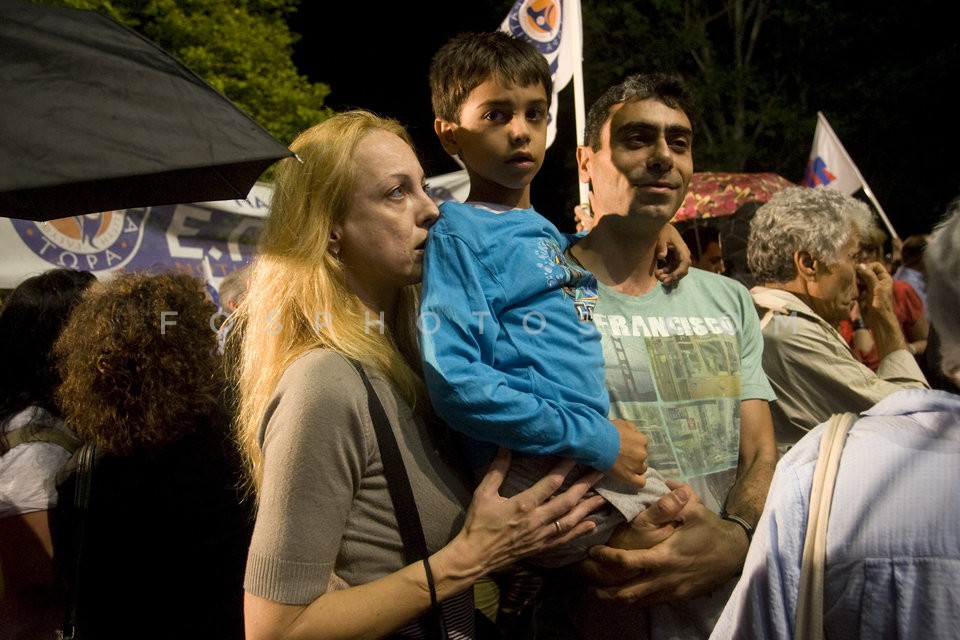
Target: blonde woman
<point x="335" y="282"/>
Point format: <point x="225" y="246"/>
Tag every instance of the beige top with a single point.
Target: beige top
<point x="813" y="371"/>
<point x="324" y="503"/>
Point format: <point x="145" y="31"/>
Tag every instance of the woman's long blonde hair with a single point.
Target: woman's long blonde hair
<point x="298" y="298"/>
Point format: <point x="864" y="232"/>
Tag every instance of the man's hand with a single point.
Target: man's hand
<point x="878" y="296"/>
<point x="701" y="553"/>
<point x="631" y="462"/>
<point x="877" y="308"/>
<point x="652" y="526"/>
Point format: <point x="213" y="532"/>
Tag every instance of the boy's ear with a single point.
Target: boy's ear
<point x="446" y="132"/>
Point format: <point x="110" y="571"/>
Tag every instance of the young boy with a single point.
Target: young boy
<point x="511" y="355"/>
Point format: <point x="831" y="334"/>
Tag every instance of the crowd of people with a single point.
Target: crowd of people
<point x="459" y="422"/>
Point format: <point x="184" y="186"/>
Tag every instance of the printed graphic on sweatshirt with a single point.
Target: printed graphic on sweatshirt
<point x="575" y="283"/>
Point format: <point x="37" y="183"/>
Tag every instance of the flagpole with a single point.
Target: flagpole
<point x="863" y="183"/>
<point x="578" y="100"/>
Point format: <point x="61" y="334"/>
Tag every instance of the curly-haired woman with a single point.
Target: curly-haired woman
<point x="166" y="534"/>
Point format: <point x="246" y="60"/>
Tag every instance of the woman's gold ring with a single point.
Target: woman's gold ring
<point x="559" y="527"/>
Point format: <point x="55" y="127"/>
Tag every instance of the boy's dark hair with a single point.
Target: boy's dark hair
<point x="469" y="59"/>
<point x="668" y="89"/>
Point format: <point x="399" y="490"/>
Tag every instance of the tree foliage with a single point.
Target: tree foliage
<point x="738" y="56"/>
<point x="243" y="48"/>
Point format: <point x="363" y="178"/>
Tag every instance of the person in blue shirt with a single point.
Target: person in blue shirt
<point x="892" y="544"/>
<point x="511" y="354"/>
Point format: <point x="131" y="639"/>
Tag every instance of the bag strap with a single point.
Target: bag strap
<point x="38" y="433"/>
<point x="401" y="494"/>
<point x="809" y="623"/>
<point x="81" y="502"/>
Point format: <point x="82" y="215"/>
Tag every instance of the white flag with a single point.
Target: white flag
<point x="830" y="164"/>
<point x="449" y="186"/>
<point x="553" y="27"/>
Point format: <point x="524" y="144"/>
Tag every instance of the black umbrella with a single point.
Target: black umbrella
<point x="95" y="117"/>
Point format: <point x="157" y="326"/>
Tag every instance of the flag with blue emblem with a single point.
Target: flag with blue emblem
<point x="553" y="27"/>
<point x="829" y="164"/>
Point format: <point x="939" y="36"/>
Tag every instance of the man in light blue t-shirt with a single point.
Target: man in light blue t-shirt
<point x="682" y="363"/>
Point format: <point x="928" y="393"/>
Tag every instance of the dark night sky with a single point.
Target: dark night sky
<point x="378" y="59"/>
<point x="383" y="66"/>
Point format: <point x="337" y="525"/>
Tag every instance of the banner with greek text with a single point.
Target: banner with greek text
<point x="180" y="237"/>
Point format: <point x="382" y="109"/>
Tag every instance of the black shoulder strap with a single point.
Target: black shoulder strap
<point x="38" y="433"/>
<point x="81" y="504"/>
<point x="411" y="529"/>
<point x="398" y="483"/>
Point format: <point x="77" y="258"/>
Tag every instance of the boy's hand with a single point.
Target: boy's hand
<point x="673" y="256"/>
<point x="631" y="462"/>
<point x="583" y="217"/>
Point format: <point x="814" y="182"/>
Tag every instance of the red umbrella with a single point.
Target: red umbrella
<point x="713" y="194"/>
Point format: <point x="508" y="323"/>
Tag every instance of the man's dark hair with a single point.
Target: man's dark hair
<point x="667" y="88"/>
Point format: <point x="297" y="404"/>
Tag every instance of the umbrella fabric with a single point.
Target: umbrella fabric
<point x="714" y="194"/>
<point x="95" y="117"/>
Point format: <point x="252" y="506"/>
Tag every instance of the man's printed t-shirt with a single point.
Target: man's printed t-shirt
<point x="678" y="363"/>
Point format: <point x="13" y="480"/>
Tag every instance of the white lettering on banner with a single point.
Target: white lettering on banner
<point x="112" y="258"/>
<point x="71" y="260"/>
<point x="178" y="228"/>
<point x="42" y="251"/>
<point x="233" y="242"/>
<point x="68" y="260"/>
<point x="663" y="326"/>
<point x="94" y="242"/>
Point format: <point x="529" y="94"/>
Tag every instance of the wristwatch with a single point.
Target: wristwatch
<point x="740" y="521"/>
